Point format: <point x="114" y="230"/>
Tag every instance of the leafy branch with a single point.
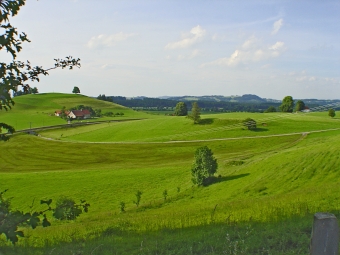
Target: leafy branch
<point x="11" y="220"/>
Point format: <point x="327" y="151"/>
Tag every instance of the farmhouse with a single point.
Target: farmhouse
<point x="79" y="114"/>
<point x="306" y="109"/>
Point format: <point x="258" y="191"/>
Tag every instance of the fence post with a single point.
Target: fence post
<point x="325" y="235"/>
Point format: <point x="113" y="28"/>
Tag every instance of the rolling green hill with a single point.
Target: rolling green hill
<point x="36" y="110"/>
<point x="267" y="180"/>
<point x="216" y="126"/>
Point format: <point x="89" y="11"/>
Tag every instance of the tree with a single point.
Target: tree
<point x="29" y="91"/>
<point x="76" y="90"/>
<point x="122" y="206"/>
<point x="204" y="165"/>
<point x="98" y="112"/>
<point x="181" y="109"/>
<point x="249" y="123"/>
<point x="331" y="113"/>
<point x="195" y="113"/>
<point x="138" y="197"/>
<point x="271" y="109"/>
<point x="34" y="90"/>
<point x="299" y="106"/>
<point x="287" y="104"/>
<point x="16" y="74"/>
<point x="165" y="194"/>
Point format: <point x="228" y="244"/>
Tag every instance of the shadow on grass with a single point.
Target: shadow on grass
<point x="260" y="129"/>
<point x="213" y="179"/>
<point x="207" y="121"/>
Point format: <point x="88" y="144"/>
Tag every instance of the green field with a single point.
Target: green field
<point x="270" y="184"/>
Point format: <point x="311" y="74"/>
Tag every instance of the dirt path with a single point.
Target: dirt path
<point x="303" y="135"/>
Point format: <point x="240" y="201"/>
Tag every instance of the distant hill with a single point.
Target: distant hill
<point x="213" y="103"/>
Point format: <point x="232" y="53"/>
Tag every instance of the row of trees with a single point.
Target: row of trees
<point x="182" y="110"/>
<point x="287" y="105"/>
<point x="30" y="90"/>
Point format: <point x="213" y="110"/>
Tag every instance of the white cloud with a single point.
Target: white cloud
<point x="196" y="34"/>
<point x="277" y="46"/>
<point x="276" y="26"/>
<point x="107" y="40"/>
<point x="250" y="43"/>
<point x="192" y="55"/>
<point x="303" y="76"/>
<point x="251" y="51"/>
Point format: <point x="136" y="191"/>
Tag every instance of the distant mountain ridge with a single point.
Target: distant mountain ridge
<point x="246" y="98"/>
<point x="214" y="103"/>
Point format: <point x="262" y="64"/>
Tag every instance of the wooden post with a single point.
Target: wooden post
<point x="325" y="235"/>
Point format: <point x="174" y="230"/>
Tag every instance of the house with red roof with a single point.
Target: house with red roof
<point x="79" y="114"/>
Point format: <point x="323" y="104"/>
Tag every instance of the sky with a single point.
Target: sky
<point x="176" y="48"/>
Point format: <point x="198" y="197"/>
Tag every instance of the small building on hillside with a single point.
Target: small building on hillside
<point x="87" y="113"/>
<point x="58" y="113"/>
<point x="306" y="109"/>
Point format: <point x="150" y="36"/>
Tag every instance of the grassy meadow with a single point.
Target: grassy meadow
<point x="266" y="189"/>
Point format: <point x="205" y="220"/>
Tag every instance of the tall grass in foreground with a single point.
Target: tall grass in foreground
<point x="284" y="237"/>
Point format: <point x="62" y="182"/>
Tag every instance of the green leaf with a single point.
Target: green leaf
<point x="33" y="221"/>
<point x="48" y="202"/>
<point x="45" y="222"/>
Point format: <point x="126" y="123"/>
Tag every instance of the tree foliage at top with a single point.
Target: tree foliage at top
<point x="204" y="165"/>
<point x="181" y="109"/>
<point x="76" y="90"/>
<point x="195" y="113"/>
<point x="287" y="104"/>
<point x="16" y="75"/>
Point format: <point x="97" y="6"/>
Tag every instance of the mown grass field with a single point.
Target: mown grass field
<point x="262" y="203"/>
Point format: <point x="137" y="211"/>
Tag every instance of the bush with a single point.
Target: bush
<point x="249" y="123"/>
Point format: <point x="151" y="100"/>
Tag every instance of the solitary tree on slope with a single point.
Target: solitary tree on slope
<point x="195" y="113"/>
<point x="204" y="166"/>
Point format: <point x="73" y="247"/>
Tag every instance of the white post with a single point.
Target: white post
<point x="325" y="235"/>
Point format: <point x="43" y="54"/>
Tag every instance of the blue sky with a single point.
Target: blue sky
<point x="156" y="48"/>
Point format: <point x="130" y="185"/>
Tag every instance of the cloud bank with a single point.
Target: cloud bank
<point x="250" y="52"/>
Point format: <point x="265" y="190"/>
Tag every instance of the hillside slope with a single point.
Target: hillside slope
<point x="36" y="110"/>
